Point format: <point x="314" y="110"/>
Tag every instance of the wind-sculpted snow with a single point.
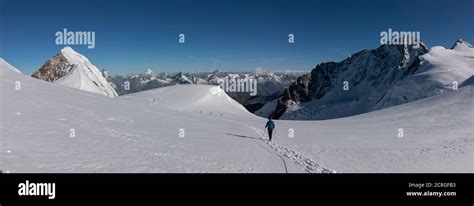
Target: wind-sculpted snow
<point x="197" y="128"/>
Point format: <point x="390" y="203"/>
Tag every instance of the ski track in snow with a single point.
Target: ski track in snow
<point x="309" y="165"/>
<point x="273" y="152"/>
<point x="283" y="153"/>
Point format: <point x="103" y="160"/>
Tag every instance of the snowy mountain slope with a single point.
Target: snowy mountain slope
<point x="439" y="71"/>
<point x="203" y="98"/>
<point x="7" y="65"/>
<point x="349" y="87"/>
<point x="267" y="109"/>
<point x="126" y="134"/>
<point x="437" y="137"/>
<point x="180" y="78"/>
<point x="74" y="70"/>
<point x="133" y="133"/>
<point x="387" y="76"/>
<point x="462" y="46"/>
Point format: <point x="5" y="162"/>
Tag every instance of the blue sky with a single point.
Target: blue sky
<point x="227" y="35"/>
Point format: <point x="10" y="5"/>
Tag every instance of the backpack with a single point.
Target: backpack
<point x="271" y="125"/>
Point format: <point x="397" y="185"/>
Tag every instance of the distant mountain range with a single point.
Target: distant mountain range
<point x="366" y="81"/>
<point x="72" y="69"/>
<point x="270" y="84"/>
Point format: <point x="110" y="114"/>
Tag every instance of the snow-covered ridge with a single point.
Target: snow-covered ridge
<point x="74" y="70"/>
<point x="6" y="65"/>
<point x="461" y="45"/>
<point x="374" y="79"/>
<point x="195" y="98"/>
<point x="441" y="70"/>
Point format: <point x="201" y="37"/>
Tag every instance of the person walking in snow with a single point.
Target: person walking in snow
<point x="270" y="126"/>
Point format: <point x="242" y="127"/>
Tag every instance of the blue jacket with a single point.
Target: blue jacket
<point x="270" y="124"/>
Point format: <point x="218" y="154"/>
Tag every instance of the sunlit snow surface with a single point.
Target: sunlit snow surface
<point x="72" y="69"/>
<point x="141" y="133"/>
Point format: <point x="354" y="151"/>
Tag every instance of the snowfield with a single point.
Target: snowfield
<point x="46" y="127"/>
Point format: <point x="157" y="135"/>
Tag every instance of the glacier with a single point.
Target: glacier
<point x="140" y="132"/>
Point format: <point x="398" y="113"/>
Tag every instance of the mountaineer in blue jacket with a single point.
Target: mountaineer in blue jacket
<point x="270" y="125"/>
